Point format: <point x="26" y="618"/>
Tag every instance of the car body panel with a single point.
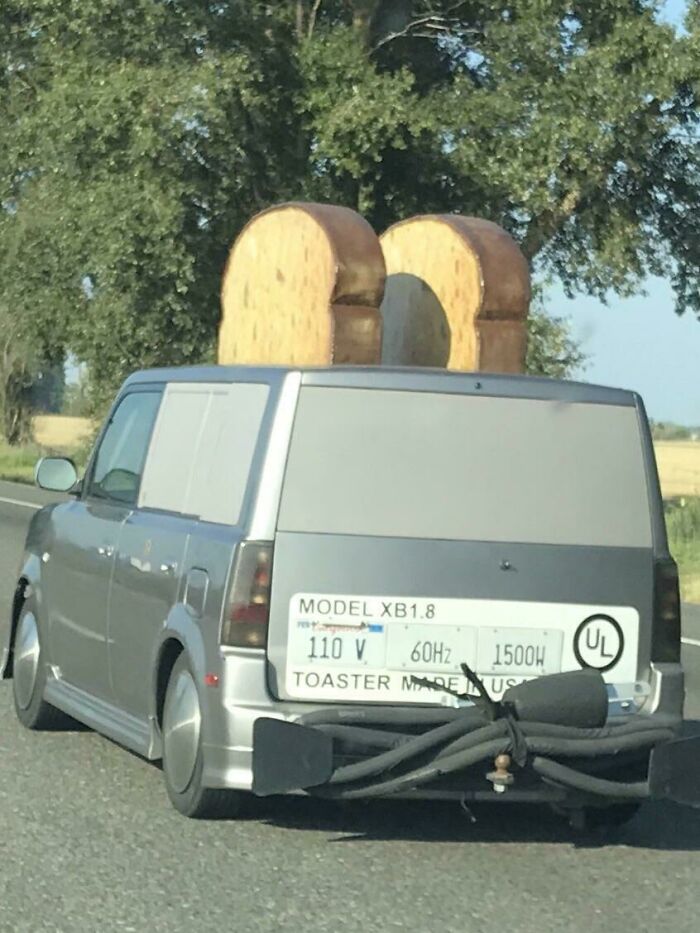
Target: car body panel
<point x="108" y="622"/>
<point x="146" y="585"/>
<point x="536" y="574"/>
<point x="77" y="579"/>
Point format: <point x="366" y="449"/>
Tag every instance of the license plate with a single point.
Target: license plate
<point x="519" y="651"/>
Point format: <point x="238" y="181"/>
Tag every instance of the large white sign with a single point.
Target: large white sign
<point x="370" y="648"/>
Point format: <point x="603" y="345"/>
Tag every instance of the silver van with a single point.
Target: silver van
<point x="361" y="582"/>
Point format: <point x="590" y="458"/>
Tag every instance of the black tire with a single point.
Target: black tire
<point x="194" y="800"/>
<point x="35" y="714"/>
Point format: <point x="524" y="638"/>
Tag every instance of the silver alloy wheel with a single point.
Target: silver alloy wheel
<point x="25" y="664"/>
<point x="181" y="725"/>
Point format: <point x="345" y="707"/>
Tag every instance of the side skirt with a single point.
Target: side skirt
<point x="141" y="736"/>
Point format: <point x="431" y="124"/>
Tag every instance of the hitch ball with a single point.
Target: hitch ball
<point x="501" y="776"/>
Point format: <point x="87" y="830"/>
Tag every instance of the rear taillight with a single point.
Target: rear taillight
<point x="666" y="633"/>
<point x="248" y="609"/>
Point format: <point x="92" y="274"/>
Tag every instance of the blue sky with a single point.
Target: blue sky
<point x="640" y="343"/>
<point x="674" y="10"/>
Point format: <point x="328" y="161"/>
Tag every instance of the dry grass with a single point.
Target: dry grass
<point x="683" y="525"/>
<point x="53" y="434"/>
<point x="679" y="473"/>
<point x="60" y="432"/>
<point x="690" y="587"/>
<point x="679" y="467"/>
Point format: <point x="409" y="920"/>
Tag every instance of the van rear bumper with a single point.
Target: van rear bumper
<point x="467" y="754"/>
<point x="237" y="744"/>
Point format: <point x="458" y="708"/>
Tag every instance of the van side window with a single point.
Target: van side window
<point x="203" y="447"/>
<point x="122" y="451"/>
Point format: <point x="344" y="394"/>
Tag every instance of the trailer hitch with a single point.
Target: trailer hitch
<point x="546" y="726"/>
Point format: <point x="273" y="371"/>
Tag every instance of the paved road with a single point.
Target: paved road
<point x="89" y="843"/>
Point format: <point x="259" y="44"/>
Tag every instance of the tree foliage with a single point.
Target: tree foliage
<point x="552" y="349"/>
<point x="138" y="136"/>
<point x="18" y="367"/>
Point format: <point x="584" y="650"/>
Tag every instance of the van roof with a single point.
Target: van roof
<point x="418" y="379"/>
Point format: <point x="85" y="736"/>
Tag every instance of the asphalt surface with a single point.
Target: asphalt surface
<point x="90" y="843"/>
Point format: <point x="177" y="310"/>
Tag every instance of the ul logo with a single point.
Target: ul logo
<point x="599" y="642"/>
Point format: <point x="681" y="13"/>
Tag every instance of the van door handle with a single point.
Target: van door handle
<point x="105" y="550"/>
<point x="168" y="568"/>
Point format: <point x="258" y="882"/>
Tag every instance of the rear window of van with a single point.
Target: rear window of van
<point x="460" y="467"/>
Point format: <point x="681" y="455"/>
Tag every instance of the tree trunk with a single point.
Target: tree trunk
<point x="17" y="411"/>
<point x="299" y="17"/>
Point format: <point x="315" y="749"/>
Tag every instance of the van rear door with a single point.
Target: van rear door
<point x="421" y="529"/>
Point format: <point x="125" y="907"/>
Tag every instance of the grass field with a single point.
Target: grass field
<point x="683" y="525"/>
<point x="690" y="581"/>
<point x="53" y="434"/>
<point x="17" y="463"/>
<point x="679" y="470"/>
<point x="679" y="473"/>
<point x="60" y="432"/>
<point x="679" y="467"/>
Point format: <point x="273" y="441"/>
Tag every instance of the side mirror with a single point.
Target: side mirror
<point x="57" y="474"/>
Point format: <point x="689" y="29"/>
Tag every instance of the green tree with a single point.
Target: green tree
<point x="137" y="136"/>
<point x="552" y="350"/>
<point x="35" y="298"/>
<point x="140" y="137"/>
